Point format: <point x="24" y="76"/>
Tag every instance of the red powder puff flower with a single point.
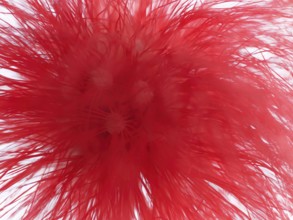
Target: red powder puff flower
<point x="144" y="109"/>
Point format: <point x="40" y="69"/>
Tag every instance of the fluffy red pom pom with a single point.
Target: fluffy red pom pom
<point x="144" y="109"/>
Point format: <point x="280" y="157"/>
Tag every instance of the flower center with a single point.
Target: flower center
<point x="115" y="123"/>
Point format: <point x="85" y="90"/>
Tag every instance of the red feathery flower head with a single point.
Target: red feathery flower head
<point x="144" y="109"/>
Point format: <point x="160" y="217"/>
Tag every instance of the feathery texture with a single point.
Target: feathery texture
<point x="144" y="109"/>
